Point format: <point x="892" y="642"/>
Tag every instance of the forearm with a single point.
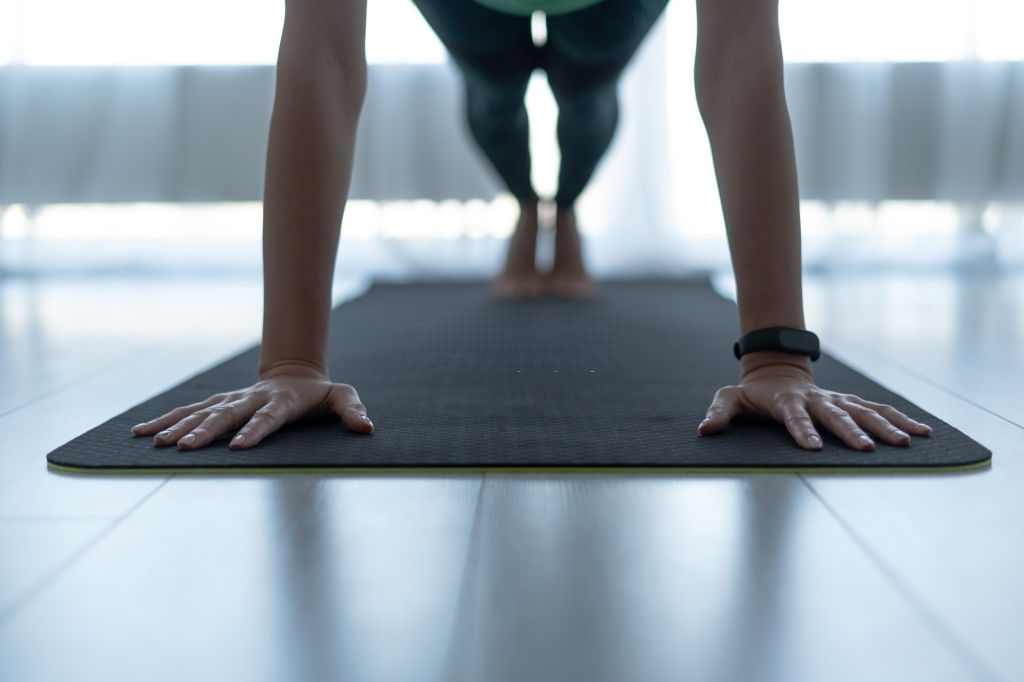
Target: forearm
<point x="309" y="166"/>
<point x="741" y="97"/>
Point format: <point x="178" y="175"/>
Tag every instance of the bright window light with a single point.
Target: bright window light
<point x="901" y="30"/>
<point x="197" y="32"/>
<point x="186" y="32"/>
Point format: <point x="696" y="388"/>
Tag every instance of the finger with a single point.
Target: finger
<point x="725" y="405"/>
<point x="346" y="404"/>
<point x="839" y="422"/>
<point x="219" y="420"/>
<point x="263" y="422"/>
<point x="894" y="416"/>
<point x="173" y="434"/>
<point x="173" y="417"/>
<point x="793" y="414"/>
<point x="874" y="423"/>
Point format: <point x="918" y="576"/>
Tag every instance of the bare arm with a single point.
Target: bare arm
<point x="738" y="75"/>
<point x="739" y="81"/>
<point x="321" y="82"/>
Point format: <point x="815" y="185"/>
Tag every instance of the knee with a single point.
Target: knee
<point x="589" y="113"/>
<point x="494" y="105"/>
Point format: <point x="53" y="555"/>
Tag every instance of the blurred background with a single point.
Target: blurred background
<point x="132" y="138"/>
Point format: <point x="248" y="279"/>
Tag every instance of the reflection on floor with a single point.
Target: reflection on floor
<point x="504" y="577"/>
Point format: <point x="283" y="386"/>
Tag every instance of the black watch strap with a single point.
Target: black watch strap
<point x="779" y="339"/>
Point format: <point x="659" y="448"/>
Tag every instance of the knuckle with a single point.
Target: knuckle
<point x="265" y="417"/>
<point x="725" y="394"/>
<point x="886" y="412"/>
<point x="792" y="404"/>
<point x="226" y="412"/>
<point x="835" y="411"/>
<point x="800" y="419"/>
<point x="177" y="415"/>
<point x="854" y="408"/>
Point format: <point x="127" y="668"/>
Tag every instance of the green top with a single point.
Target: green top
<point x="528" y="7"/>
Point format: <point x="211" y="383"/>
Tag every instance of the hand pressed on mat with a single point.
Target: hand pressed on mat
<point x="785" y="391"/>
<point x="257" y="411"/>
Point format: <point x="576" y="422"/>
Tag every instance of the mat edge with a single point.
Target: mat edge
<point x="405" y="471"/>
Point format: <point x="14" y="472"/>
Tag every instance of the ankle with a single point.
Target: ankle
<point x="565" y="219"/>
<point x="528" y="206"/>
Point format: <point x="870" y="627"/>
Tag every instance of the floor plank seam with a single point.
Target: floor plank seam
<point x="55" y="519"/>
<point x="974" y="663"/>
<point x="926" y="380"/>
<point x="88" y="376"/>
<point x="7" y="615"/>
<point x="466" y="584"/>
<point x="143" y="351"/>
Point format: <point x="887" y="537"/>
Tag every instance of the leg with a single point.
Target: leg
<point x="496" y="56"/>
<point x="586" y="54"/>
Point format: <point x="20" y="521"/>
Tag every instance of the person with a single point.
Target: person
<point x="321" y="82"/>
<point x="583" y="56"/>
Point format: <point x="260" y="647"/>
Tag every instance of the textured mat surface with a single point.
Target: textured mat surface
<point x="453" y="378"/>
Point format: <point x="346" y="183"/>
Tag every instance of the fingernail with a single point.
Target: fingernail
<point x="866" y="442"/>
<point x="238" y="439"/>
<point x="188" y="440"/>
<point x="814" y="442"/>
<point x="164" y="434"/>
<point x="902" y="435"/>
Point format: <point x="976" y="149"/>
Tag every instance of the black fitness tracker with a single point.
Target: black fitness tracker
<point x="779" y="339"/>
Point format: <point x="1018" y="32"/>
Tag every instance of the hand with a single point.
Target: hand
<point x="257" y="412"/>
<point x="786" y="392"/>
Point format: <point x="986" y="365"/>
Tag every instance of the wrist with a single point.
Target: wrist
<point x="292" y="367"/>
<point x="752" y="363"/>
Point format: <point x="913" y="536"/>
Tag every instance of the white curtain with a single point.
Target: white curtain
<point x="928" y="112"/>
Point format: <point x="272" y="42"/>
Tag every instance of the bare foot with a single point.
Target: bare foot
<point x="519" y="278"/>
<point x="568" y="277"/>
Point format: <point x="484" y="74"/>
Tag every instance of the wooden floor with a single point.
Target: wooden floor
<point x="505" y="577"/>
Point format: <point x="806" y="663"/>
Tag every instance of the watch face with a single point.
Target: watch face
<point x="799" y="341"/>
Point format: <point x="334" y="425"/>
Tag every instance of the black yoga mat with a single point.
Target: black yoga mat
<point x="454" y="378"/>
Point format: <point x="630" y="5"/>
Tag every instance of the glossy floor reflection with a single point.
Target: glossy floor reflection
<point x="964" y="333"/>
<point x="504" y="577"/>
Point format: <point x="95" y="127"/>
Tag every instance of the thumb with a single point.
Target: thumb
<point x="346" y="404"/>
<point x="724" y="407"/>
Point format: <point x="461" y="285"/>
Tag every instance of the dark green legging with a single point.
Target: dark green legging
<point x="584" y="56"/>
